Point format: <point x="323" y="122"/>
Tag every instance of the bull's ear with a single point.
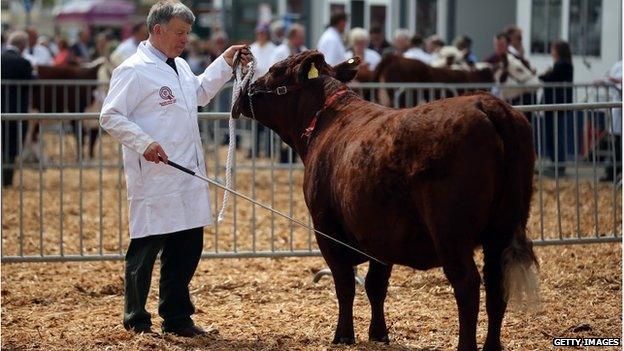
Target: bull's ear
<point x="312" y="66"/>
<point x="347" y="70"/>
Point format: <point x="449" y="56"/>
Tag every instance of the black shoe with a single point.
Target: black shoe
<point x="189" y="331"/>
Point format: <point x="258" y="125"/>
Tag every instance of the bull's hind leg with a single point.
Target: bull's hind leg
<point x="344" y="281"/>
<point x="376" y="288"/>
<point x="461" y="271"/>
<point x="494" y="299"/>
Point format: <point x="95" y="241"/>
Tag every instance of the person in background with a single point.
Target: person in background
<point x="197" y="62"/>
<point x="278" y="32"/>
<point x="358" y="41"/>
<point x="499" y="57"/>
<point x="294" y="43"/>
<point x="101" y="44"/>
<point x="262" y="50"/>
<point x="464" y="44"/>
<point x="330" y="43"/>
<point x="613" y="170"/>
<point x="400" y="42"/>
<point x="562" y="71"/>
<point x="514" y="33"/>
<point x="433" y="44"/>
<point x="65" y="57"/>
<point x="416" y="51"/>
<point x="218" y="44"/>
<point x="378" y="41"/>
<point x="37" y="54"/>
<point x="44" y="41"/>
<point x="82" y="49"/>
<point x="129" y="46"/>
<point x="3" y="40"/>
<point x="14" y="67"/>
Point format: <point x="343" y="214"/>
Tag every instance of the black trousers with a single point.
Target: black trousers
<point x="180" y="255"/>
<point x="10" y="148"/>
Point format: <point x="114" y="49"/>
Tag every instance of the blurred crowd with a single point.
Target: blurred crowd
<point x="275" y="41"/>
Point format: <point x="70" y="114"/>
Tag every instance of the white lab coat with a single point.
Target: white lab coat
<point x="330" y="44"/>
<point x="148" y="102"/>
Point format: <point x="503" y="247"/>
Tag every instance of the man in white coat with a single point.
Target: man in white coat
<point x="151" y="108"/>
<point x="330" y="43"/>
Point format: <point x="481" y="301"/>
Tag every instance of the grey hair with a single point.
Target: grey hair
<point x="163" y="11"/>
<point x="358" y="34"/>
<point x="19" y="39"/>
<point x="294" y="28"/>
<point x="402" y="33"/>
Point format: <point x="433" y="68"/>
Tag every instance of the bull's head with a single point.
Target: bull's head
<point x="293" y="90"/>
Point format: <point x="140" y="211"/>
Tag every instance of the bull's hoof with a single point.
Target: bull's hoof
<point x="383" y="338"/>
<point x="344" y="340"/>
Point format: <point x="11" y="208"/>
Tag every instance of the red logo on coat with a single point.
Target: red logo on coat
<point x="167" y="95"/>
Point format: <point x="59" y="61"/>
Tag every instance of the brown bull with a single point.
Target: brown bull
<point x="398" y="69"/>
<point x="421" y="187"/>
<point x="67" y="97"/>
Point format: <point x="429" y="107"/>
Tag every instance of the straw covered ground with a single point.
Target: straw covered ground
<point x="272" y="304"/>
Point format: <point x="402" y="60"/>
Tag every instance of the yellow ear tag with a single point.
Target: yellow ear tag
<point x="350" y="61"/>
<point x="313" y="73"/>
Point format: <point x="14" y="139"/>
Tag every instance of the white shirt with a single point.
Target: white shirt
<point x="264" y="57"/>
<point x="40" y="56"/>
<point x="125" y="49"/>
<point x="284" y="50"/>
<point x="371" y="57"/>
<point x="330" y="44"/>
<point x="419" y="54"/>
<point x="147" y="101"/>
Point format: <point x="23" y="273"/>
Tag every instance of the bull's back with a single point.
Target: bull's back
<point x="385" y="165"/>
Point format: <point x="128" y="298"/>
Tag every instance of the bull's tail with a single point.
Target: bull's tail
<point x="511" y="212"/>
<point x="520" y="265"/>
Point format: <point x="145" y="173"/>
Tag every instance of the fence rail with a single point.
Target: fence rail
<point x="67" y="205"/>
<point x="55" y="95"/>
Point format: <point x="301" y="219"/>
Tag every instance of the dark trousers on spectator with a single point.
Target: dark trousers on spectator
<point x="180" y="255"/>
<point x="617" y="163"/>
<point x="10" y="148"/>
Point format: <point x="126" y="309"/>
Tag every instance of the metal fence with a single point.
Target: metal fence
<point x="76" y="95"/>
<point x="68" y="205"/>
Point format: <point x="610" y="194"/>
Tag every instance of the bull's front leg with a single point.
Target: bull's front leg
<point x="337" y="259"/>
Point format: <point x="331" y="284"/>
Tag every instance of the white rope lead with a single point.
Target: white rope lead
<point x="239" y="82"/>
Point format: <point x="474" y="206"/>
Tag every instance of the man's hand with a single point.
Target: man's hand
<point x="245" y="55"/>
<point x="153" y="151"/>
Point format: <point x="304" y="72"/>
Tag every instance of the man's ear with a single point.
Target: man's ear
<point x="347" y="70"/>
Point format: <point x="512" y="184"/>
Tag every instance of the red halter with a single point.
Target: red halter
<point x="330" y="101"/>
